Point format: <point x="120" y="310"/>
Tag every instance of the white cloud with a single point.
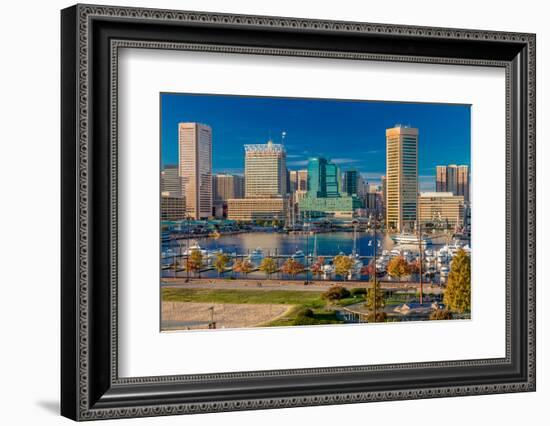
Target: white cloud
<point x="297" y="163"/>
<point x="345" y="160"/>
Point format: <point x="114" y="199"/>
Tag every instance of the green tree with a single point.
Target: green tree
<point x="268" y="266"/>
<point x="342" y="265"/>
<point x="398" y="267"/>
<point x="221" y="262"/>
<point x="458" y="292"/>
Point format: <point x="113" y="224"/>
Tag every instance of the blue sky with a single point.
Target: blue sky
<point x="351" y="133"/>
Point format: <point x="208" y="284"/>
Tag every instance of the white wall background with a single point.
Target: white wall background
<point x="29" y="185"/>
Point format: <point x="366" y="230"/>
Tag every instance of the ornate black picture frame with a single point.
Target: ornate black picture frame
<point x="91" y="36"/>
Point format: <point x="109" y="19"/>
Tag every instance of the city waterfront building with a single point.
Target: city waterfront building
<point x="298" y="180"/>
<point x="455" y="179"/>
<point x="251" y="209"/>
<point x="265" y="170"/>
<point x="441" y="209"/>
<point x="170" y="181"/>
<point x="401" y="177"/>
<point x="383" y="185"/>
<point x="226" y="186"/>
<point x="324" y="195"/>
<point x="441" y="178"/>
<point x="463" y="182"/>
<point x="172" y="208"/>
<point x="195" y="168"/>
<point x="351" y="182"/>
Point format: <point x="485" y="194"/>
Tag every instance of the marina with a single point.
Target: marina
<point x="315" y="252"/>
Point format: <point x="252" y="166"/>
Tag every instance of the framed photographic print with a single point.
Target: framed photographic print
<point x="264" y="212"/>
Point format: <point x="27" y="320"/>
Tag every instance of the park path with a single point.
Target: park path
<point x="298" y="285"/>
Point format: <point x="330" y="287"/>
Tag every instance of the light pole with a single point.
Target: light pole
<point x="354" y="223"/>
<point x="187" y="251"/>
<point x="306" y="225"/>
<point x="420" y="250"/>
<point x="375" y="272"/>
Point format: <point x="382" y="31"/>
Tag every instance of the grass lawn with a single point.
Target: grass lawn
<point x="308" y="299"/>
<point x="295" y="317"/>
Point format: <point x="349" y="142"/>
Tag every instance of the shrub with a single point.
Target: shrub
<point x="441" y="314"/>
<point x="336" y="292"/>
<point x="305" y="312"/>
<point x="358" y="291"/>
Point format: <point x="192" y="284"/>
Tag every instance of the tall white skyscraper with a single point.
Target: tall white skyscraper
<point x="195" y="168"/>
<point x="265" y="170"/>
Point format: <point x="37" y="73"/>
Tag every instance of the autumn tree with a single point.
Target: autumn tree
<point x="244" y="266"/>
<point x="317" y="267"/>
<point x="292" y="267"/>
<point x="268" y="266"/>
<point x="398" y="267"/>
<point x="414" y="267"/>
<point x="368" y="269"/>
<point x="441" y="314"/>
<point x="343" y="265"/>
<point x="221" y="262"/>
<point x="458" y="292"/>
<point x="195" y="261"/>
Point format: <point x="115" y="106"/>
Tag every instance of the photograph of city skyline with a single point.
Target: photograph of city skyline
<point x="295" y="212"/>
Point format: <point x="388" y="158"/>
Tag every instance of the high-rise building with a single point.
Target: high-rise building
<point x="226" y="186"/>
<point x="265" y="170"/>
<point x="441" y="209"/>
<point x="441" y="178"/>
<point x="383" y="184"/>
<point x="195" y="168"/>
<point x="170" y="181"/>
<point x="454" y="179"/>
<point x="351" y="182"/>
<point x="298" y="180"/>
<point x="323" y="178"/>
<point x="401" y="177"/>
<point x="324" y="195"/>
<point x="463" y="182"/>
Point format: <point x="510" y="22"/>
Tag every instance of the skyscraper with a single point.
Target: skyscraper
<point x="195" y="168"/>
<point x="463" y="182"/>
<point x="323" y="178"/>
<point x="324" y="195"/>
<point x="383" y="184"/>
<point x="226" y="186"/>
<point x="351" y="182"/>
<point x="454" y="179"/>
<point x="265" y="170"/>
<point x="441" y="178"/>
<point x="298" y="180"/>
<point x="401" y="177"/>
<point x="265" y="185"/>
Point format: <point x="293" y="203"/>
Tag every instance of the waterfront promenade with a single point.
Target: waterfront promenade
<point x="296" y="285"/>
